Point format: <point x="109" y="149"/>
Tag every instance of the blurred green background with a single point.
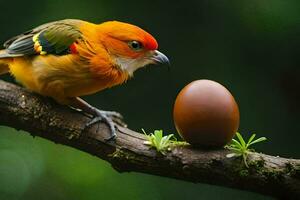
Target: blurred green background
<point x="251" y="47"/>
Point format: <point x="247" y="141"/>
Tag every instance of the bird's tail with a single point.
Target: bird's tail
<point x="4" y="62"/>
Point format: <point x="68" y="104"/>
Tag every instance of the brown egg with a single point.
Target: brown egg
<point x="206" y="114"/>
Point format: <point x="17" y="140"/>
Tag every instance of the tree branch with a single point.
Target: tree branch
<point x="275" y="176"/>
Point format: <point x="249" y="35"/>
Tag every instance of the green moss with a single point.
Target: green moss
<point x="240" y="168"/>
<point x="293" y="170"/>
<point x="297" y="170"/>
<point x="123" y="155"/>
<point x="175" y="144"/>
<point x="273" y="174"/>
<point x="244" y="173"/>
<point x="257" y="165"/>
<point x="288" y="167"/>
<point x="179" y="143"/>
<point x="118" y="154"/>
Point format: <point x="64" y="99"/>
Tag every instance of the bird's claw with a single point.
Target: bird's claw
<point x="115" y="117"/>
<point x="110" y="118"/>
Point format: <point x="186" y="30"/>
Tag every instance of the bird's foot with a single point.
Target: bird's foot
<point x="115" y="116"/>
<point x="111" y="118"/>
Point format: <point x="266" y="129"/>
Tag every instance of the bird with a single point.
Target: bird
<point x="71" y="58"/>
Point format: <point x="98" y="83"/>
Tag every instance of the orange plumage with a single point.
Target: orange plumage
<point x="71" y="58"/>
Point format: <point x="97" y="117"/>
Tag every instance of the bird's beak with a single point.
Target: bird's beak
<point x="159" y="58"/>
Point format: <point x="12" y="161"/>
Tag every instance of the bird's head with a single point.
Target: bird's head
<point x="130" y="46"/>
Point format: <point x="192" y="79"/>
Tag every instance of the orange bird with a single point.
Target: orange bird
<point x="71" y="58"/>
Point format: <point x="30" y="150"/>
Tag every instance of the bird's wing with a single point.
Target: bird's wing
<point x="53" y="38"/>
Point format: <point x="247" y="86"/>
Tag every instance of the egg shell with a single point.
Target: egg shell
<point x="206" y="114"/>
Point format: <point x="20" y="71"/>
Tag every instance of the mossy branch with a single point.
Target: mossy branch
<point x="269" y="175"/>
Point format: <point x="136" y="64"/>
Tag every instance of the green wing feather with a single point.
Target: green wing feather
<point x="54" y="38"/>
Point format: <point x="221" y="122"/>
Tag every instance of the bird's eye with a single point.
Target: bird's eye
<point x="135" y="45"/>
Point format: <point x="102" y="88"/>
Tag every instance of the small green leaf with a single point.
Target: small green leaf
<point x="241" y="139"/>
<point x="144" y="132"/>
<point x="147" y="142"/>
<point x="250" y="139"/>
<point x="158" y="141"/>
<point x="261" y="139"/>
<point x="168" y="137"/>
<point x="230" y="155"/>
<point x="234" y="149"/>
<point x="163" y="142"/>
<point x="236" y="143"/>
<point x="158" y="137"/>
<point x="240" y="148"/>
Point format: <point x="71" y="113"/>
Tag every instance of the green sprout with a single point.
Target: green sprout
<point x="158" y="141"/>
<point x="241" y="148"/>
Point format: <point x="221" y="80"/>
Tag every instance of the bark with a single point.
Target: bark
<point x="40" y="116"/>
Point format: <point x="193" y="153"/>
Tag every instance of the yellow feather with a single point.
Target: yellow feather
<point x="35" y="38"/>
<point x="43" y="52"/>
<point x="21" y="66"/>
